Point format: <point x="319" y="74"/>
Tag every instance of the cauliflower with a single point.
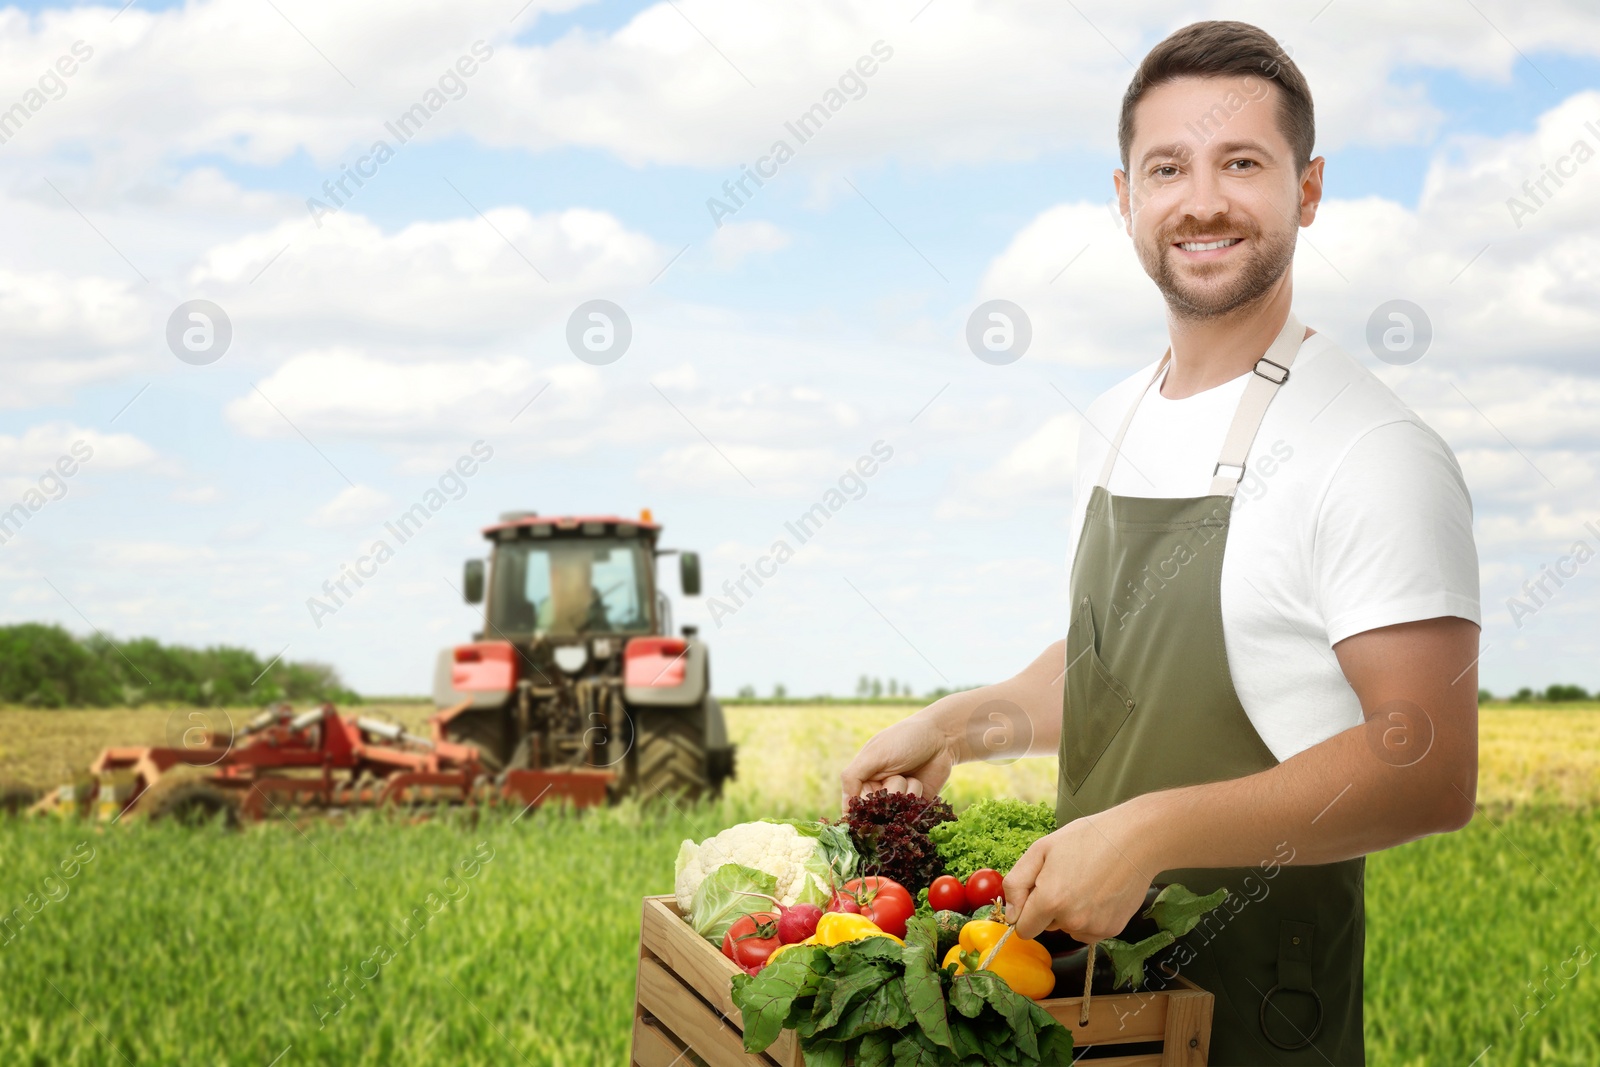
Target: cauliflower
<point x="794" y="859"/>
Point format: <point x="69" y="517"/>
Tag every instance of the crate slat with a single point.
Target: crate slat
<point x="686" y="954"/>
<point x="710" y="1036"/>
<point x="1188" y="1037"/>
<point x="652" y="1047"/>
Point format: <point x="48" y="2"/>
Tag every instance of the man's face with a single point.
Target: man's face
<point x="1209" y="163"/>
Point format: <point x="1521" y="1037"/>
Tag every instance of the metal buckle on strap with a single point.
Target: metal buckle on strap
<point x="1268" y="377"/>
<point x="1231" y="467"/>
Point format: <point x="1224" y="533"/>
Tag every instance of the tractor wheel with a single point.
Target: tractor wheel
<point x="195" y="804"/>
<point x="669" y="754"/>
<point x="17" y="799"/>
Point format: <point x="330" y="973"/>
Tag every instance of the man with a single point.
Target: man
<point x="1270" y="663"/>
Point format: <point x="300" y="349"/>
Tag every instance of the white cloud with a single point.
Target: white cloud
<point x="1036" y="470"/>
<point x="734" y="241"/>
<point x="356" y="505"/>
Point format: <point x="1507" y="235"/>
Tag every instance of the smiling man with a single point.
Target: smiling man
<point x="1270" y="664"/>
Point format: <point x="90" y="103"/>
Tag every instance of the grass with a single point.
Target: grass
<point x="174" y="946"/>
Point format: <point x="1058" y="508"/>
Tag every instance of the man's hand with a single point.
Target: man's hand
<point x="1084" y="879"/>
<point x="912" y="756"/>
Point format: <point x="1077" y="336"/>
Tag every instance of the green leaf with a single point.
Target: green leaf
<point x="886" y="1009"/>
<point x="1128" y="960"/>
<point x="845" y="990"/>
<point x="825" y="1054"/>
<point x="877" y="1050"/>
<point x="924" y="986"/>
<point x="1055" y="1045"/>
<point x="915" y="1050"/>
<point x="965" y="1040"/>
<point x="964" y="996"/>
<point x="868" y="950"/>
<point x="721" y="900"/>
<point x="1011" y="1005"/>
<point x="765" y="998"/>
<point x="1177" y="910"/>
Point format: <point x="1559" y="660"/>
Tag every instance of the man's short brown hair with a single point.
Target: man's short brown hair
<point x="1218" y="49"/>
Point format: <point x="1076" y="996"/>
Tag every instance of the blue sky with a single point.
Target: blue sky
<point x="825" y="316"/>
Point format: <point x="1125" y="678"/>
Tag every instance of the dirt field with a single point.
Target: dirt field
<point x="1527" y="752"/>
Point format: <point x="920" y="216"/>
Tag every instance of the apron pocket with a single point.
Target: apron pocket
<point x="1096" y="703"/>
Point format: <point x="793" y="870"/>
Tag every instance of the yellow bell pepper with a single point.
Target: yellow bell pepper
<point x="835" y="928"/>
<point x="1022" y="962"/>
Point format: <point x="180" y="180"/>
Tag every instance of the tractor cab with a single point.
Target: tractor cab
<point x="576" y="666"/>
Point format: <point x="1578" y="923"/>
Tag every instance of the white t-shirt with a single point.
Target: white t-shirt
<point x="1353" y="514"/>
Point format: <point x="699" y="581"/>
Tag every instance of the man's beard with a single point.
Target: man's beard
<point x="1266" y="259"/>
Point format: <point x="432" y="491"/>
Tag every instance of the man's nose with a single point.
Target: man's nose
<point x="1204" y="198"/>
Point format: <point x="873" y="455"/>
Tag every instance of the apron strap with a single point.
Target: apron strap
<point x="1269" y="372"/>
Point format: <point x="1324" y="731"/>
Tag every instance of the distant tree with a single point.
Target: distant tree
<point x="45" y="666"/>
<point x="1566" y="692"/>
<point x="1522" y="696"/>
<point x="877" y="688"/>
<point x="1484" y="696"/>
<point x="779" y="692"/>
<point x="905" y="689"/>
<point x="863" y="686"/>
<point x="894" y="688"/>
<point x="747" y="692"/>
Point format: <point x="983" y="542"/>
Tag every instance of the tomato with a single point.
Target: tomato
<point x="947" y="894"/>
<point x="750" y="940"/>
<point x="883" y="900"/>
<point x="984" y="887"/>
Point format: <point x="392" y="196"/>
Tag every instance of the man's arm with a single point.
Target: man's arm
<point x="1409" y="771"/>
<point x="1020" y="716"/>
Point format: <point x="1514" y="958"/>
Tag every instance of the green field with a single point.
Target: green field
<point x="185" y="946"/>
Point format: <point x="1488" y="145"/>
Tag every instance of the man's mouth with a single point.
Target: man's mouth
<point x="1207" y="249"/>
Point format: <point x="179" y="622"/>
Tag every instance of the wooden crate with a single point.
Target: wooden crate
<point x="683" y="1013"/>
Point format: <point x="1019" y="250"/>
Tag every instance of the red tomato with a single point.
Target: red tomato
<point x="984" y="886"/>
<point x="947" y="894"/>
<point x="884" y="901"/>
<point x="750" y="940"/>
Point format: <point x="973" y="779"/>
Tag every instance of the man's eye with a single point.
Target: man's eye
<point x="1158" y="171"/>
<point x="1247" y="162"/>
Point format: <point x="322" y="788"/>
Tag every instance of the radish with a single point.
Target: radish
<point x="796" y="922"/>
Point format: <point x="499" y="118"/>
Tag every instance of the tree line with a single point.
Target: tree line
<point x="46" y="667"/>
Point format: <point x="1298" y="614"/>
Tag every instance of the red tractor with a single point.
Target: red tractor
<point x="577" y="668"/>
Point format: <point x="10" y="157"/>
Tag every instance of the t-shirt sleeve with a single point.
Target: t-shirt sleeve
<point x="1393" y="539"/>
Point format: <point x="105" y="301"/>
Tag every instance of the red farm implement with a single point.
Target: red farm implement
<point x="318" y="760"/>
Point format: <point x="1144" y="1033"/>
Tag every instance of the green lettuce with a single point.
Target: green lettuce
<point x="721" y="900"/>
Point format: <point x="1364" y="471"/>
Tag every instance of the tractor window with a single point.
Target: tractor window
<point x="570" y="587"/>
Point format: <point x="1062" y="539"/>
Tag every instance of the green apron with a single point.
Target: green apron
<point x="1149" y="704"/>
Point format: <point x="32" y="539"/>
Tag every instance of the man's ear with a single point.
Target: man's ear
<point x="1119" y="179"/>
<point x="1311" y="191"/>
